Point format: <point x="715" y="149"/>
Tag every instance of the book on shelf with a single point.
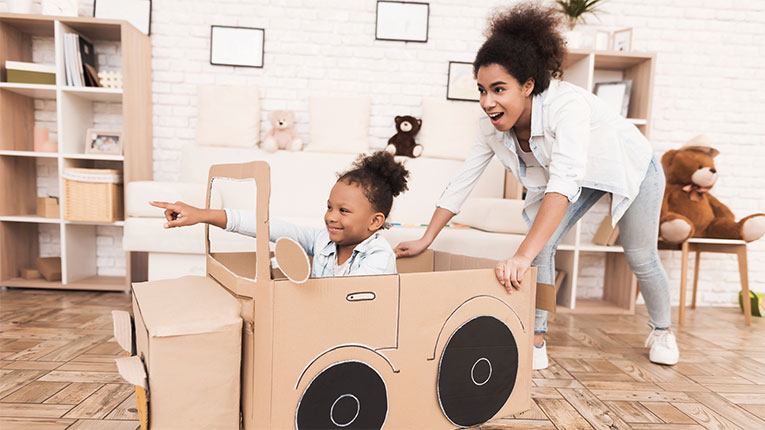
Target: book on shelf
<point x="79" y="62"/>
<point x="20" y="72"/>
<point x="606" y="234"/>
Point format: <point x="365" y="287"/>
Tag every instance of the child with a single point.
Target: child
<point x="358" y="206"/>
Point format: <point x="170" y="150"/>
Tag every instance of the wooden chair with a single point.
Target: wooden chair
<point x="699" y="245"/>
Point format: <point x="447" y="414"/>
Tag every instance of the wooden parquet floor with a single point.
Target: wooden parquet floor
<point x="57" y="370"/>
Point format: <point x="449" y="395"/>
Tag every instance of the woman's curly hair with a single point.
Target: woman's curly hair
<point x="525" y="40"/>
<point x="381" y="177"/>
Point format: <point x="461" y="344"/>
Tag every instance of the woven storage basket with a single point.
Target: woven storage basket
<point x="93" y="195"/>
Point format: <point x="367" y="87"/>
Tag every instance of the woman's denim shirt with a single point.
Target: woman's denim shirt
<point x="578" y="140"/>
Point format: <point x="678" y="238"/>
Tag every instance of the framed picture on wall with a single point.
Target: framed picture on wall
<point x="136" y="12"/>
<point x="615" y="94"/>
<point x="461" y="84"/>
<point x="237" y="46"/>
<point x="103" y="142"/>
<point x="402" y="21"/>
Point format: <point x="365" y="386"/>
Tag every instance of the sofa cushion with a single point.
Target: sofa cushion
<point x="339" y="124"/>
<point x="228" y="115"/>
<point x="449" y="129"/>
<point x="494" y="215"/>
<point x="461" y="241"/>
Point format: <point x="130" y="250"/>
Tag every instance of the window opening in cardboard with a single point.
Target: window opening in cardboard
<point x="236" y="250"/>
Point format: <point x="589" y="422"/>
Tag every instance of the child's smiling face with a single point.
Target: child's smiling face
<point x="350" y="217"/>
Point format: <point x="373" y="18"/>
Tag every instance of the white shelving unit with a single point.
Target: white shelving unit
<point x="19" y="242"/>
<point x="586" y="68"/>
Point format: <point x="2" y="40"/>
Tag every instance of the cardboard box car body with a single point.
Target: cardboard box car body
<point x="438" y="345"/>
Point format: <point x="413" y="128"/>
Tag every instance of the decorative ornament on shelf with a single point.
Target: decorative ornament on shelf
<point x="616" y="40"/>
<point x="575" y="12"/>
<point x="110" y="79"/>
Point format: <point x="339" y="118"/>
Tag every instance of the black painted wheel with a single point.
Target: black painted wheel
<point x="477" y="371"/>
<point x="347" y="395"/>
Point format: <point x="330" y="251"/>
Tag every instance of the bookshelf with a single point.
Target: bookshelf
<point x="586" y="68"/>
<point x="75" y="113"/>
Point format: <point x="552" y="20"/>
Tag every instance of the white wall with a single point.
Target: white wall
<point x="710" y="62"/>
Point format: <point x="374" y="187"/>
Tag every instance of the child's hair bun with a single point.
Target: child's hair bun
<point x="381" y="177"/>
<point x="383" y="165"/>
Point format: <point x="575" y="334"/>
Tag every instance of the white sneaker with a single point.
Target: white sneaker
<point x="663" y="347"/>
<point x="539" y="357"/>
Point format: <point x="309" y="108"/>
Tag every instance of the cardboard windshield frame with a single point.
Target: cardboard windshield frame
<point x="395" y="326"/>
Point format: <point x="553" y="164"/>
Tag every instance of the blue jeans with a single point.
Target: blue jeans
<point x="638" y="231"/>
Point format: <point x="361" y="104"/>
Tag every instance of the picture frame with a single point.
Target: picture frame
<point x="237" y="46"/>
<point x="615" y="94"/>
<point x="622" y="40"/>
<point x="402" y="21"/>
<point x="103" y="142"/>
<point x="136" y="12"/>
<point x="603" y="40"/>
<point x="461" y="85"/>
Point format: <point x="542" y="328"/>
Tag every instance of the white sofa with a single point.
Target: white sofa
<point x="300" y="184"/>
<point x="301" y="181"/>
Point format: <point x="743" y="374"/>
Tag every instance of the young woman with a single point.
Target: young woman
<point x="568" y="149"/>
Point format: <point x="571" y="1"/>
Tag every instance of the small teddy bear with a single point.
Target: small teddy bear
<point x="402" y="143"/>
<point x="282" y="134"/>
<point x="688" y="210"/>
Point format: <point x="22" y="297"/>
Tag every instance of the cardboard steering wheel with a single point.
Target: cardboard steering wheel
<point x="292" y="260"/>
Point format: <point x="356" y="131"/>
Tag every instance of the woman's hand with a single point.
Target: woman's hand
<point x="510" y="272"/>
<point x="180" y="214"/>
<point x="411" y="248"/>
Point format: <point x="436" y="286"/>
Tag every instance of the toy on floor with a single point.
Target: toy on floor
<point x="282" y="134"/>
<point x="757" y="301"/>
<point x="402" y="143"/>
<point x="689" y="210"/>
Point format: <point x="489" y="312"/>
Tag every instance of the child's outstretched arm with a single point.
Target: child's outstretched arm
<point x="180" y="214"/>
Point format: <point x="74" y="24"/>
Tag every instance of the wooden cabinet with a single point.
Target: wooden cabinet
<point x="77" y="109"/>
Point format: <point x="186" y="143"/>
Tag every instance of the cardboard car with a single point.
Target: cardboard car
<point x="438" y="345"/>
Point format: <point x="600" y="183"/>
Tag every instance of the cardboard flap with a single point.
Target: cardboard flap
<point x="546" y="297"/>
<point x="123" y="330"/>
<point x="292" y="260"/>
<point x="187" y="305"/>
<point x="131" y="369"/>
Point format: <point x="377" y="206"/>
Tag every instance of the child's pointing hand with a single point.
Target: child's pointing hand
<point x="180" y="214"/>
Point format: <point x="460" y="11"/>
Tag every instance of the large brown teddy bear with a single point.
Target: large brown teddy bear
<point x="402" y="143"/>
<point x="688" y="210"/>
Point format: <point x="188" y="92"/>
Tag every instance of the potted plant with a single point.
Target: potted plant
<point x="575" y="10"/>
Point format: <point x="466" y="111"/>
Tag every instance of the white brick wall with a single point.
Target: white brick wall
<point x="709" y="69"/>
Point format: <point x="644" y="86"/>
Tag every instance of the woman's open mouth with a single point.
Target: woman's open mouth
<point x="495" y="117"/>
